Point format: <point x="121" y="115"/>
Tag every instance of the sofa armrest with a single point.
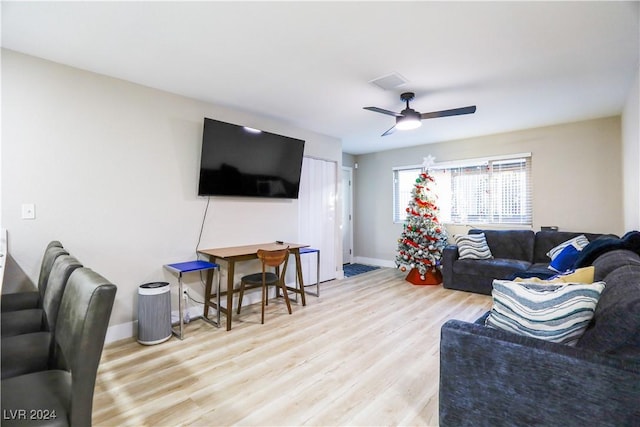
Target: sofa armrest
<point x="449" y="255"/>
<point x="489" y="377"/>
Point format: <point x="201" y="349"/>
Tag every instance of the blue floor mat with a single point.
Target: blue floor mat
<point x="354" y="269"/>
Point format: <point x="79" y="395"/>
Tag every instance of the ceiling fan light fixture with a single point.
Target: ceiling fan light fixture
<point x="408" y="121"/>
<point x="411" y="119"/>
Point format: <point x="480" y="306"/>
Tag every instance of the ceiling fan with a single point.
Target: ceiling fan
<point x="410" y="118"/>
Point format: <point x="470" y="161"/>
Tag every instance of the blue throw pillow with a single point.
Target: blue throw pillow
<point x="564" y="260"/>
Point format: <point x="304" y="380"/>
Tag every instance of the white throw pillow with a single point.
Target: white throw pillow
<point x="578" y="242"/>
<point x="557" y="312"/>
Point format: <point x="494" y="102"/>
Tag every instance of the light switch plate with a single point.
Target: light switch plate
<point x="28" y="211"/>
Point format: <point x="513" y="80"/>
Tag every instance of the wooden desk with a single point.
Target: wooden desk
<point x="244" y="253"/>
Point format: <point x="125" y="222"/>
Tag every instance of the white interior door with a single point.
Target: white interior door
<point x="317" y="221"/>
<point x="346" y="225"/>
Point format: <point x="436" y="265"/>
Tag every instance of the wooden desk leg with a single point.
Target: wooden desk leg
<point x="230" y="272"/>
<point x="299" y="273"/>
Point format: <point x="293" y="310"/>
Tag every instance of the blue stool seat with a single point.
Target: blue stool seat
<point x="308" y="250"/>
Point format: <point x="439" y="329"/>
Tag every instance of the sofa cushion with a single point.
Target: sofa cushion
<point x="472" y="246"/>
<point x="494" y="268"/>
<point x="610" y="261"/>
<point x="552" y="312"/>
<point x="509" y="244"/>
<point x="539" y="270"/>
<point x="616" y="323"/>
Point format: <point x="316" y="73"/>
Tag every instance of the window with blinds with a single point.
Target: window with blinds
<point x="404" y="180"/>
<point x="493" y="190"/>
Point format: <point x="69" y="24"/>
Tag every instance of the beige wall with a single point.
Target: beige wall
<point x="576" y="177"/>
<point x="112" y="168"/>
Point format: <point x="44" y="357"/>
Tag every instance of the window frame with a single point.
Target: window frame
<point x="399" y="214"/>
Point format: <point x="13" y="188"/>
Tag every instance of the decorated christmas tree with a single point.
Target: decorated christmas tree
<point x="423" y="237"/>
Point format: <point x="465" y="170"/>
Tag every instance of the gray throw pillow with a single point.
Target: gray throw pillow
<point x="472" y="246"/>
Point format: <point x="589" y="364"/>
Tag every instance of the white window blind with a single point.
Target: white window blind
<point x="490" y="190"/>
<point x="404" y="180"/>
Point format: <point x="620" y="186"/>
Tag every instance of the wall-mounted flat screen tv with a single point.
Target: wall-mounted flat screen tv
<point x="242" y="161"/>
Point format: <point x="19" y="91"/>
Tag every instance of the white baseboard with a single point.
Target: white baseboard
<point x="374" y="261"/>
<point x="130" y="329"/>
<point x="121" y="331"/>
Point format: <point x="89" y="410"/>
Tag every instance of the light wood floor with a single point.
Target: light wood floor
<point x="363" y="354"/>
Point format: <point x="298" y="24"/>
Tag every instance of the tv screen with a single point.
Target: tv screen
<point x="241" y="161"/>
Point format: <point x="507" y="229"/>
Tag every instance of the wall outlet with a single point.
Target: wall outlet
<point x="28" y="211"/>
<point x="192" y="313"/>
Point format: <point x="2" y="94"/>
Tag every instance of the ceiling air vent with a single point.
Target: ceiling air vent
<point x="390" y="81"/>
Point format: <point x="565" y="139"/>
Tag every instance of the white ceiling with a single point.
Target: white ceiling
<point x="309" y="64"/>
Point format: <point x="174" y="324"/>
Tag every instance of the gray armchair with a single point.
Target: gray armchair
<point x="33" y="299"/>
<point x="30" y="350"/>
<point x="66" y="391"/>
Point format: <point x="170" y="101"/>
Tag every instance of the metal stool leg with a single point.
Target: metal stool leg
<point x="180" y="332"/>
<point x="186" y="267"/>
<point x="318" y="276"/>
<point x="317" y="285"/>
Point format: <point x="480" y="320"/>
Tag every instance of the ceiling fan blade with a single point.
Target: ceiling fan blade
<point x="445" y="113"/>
<point x="383" y="111"/>
<point x="390" y="131"/>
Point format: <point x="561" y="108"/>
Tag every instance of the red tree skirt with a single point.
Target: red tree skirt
<point x="430" y="278"/>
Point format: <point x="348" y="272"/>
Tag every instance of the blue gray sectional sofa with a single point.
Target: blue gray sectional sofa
<point x="515" y="252"/>
<point x="490" y="377"/>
